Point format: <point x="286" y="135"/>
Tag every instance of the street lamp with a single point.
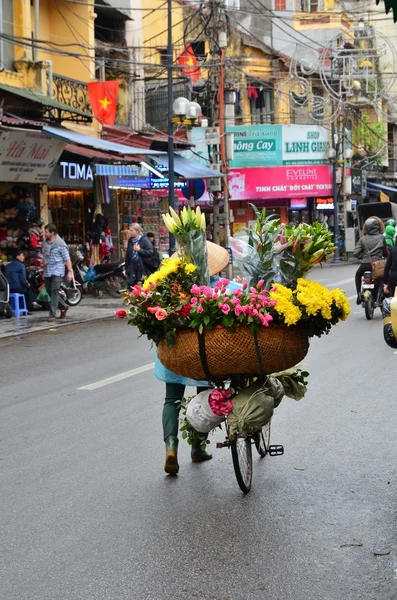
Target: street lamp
<point x="332" y="155"/>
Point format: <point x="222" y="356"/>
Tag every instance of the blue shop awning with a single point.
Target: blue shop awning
<point x="116" y="170"/>
<point x="187" y="168"/>
<point x="81" y="139"/>
<point x="376" y="187"/>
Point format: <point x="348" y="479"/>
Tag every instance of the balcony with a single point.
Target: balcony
<point x="72" y="92"/>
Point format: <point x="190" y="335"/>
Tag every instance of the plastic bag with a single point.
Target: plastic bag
<point x="200" y="415"/>
<point x="43" y="296"/>
<point x="388" y="333"/>
<point x="193" y="247"/>
<point x="90" y="275"/>
<point x="274" y="267"/>
<point x="252" y="409"/>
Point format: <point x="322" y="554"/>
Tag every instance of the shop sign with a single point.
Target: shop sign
<point x="162" y="183"/>
<point x="298" y="204"/>
<point x="70" y="170"/>
<point x="276" y="145"/>
<point x="305" y="145"/>
<point x="325" y="203"/>
<point x="256" y="145"/>
<point x="129" y="182"/>
<point x="72" y="174"/>
<point x="280" y="182"/>
<point x="28" y="156"/>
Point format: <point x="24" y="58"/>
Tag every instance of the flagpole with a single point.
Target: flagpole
<point x="171" y="178"/>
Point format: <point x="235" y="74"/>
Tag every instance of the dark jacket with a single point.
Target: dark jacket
<point x="391" y="266"/>
<point x="372" y="246"/>
<point x="135" y="265"/>
<point x="16" y="275"/>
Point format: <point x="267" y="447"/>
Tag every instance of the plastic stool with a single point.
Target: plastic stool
<point x="15" y="302"/>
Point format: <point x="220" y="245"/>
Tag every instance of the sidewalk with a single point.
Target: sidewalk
<point x="90" y="309"/>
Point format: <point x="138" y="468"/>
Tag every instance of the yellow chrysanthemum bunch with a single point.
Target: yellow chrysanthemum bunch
<point x="168" y="267"/>
<point x="309" y="301"/>
<point x="285" y="306"/>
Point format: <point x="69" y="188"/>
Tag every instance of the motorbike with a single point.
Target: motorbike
<point x="372" y="294"/>
<point x="110" y="278"/>
<point x="70" y="293"/>
<point x="5" y="308"/>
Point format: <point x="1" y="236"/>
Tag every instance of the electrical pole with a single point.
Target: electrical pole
<point x="170" y="64"/>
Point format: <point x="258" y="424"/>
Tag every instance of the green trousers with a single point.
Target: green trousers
<point x="174" y="393"/>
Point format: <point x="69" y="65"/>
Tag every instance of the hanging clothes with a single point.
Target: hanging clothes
<point x="252" y="92"/>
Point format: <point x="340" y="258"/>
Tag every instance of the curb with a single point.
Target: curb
<point x="16" y="335"/>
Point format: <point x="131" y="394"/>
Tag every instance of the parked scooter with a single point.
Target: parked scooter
<point x="70" y="293"/>
<point x="372" y="294"/>
<point x="109" y="278"/>
<point x="5" y="308"/>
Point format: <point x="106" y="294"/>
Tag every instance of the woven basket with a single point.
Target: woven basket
<point x="230" y="354"/>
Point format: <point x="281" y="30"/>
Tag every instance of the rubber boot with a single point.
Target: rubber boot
<point x="199" y="455"/>
<point x="171" y="455"/>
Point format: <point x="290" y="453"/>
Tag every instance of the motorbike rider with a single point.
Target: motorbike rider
<point x="371" y="246"/>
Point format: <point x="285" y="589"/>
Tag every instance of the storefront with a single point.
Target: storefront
<point x="71" y="200"/>
<point x="27" y="159"/>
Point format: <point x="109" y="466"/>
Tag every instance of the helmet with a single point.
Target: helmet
<point x="391" y="222"/>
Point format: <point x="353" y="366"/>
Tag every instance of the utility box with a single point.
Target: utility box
<point x="215" y="184"/>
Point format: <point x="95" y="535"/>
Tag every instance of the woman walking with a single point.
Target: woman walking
<point x="139" y="252"/>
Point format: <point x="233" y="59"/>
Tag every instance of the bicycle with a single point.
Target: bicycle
<point x="241" y="451"/>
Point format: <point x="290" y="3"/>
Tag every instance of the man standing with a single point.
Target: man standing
<point x="56" y="258"/>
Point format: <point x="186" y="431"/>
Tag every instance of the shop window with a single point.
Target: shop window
<point x="311" y="6"/>
<point x="163" y="56"/>
<point x="280" y="4"/>
<point x="198" y="48"/>
<point x="7" y="28"/>
<point x="261" y="103"/>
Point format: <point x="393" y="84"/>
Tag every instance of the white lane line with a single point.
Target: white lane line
<point x="352" y="297"/>
<point x="115" y="378"/>
<point x="328" y="283"/>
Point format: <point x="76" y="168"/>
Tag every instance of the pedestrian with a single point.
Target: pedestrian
<point x="158" y="257"/>
<point x="175" y="385"/>
<point x="17" y="279"/>
<point x="139" y="252"/>
<point x="56" y="259"/>
<point x="370" y="247"/>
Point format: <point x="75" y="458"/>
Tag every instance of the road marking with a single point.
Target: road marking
<point x="115" y="378"/>
<point x="336" y="283"/>
<point x="352" y="297"/>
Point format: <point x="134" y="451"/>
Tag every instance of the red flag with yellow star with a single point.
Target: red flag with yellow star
<point x="189" y="62"/>
<point x="103" y="100"/>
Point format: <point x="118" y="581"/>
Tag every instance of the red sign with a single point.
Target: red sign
<point x="280" y="182"/>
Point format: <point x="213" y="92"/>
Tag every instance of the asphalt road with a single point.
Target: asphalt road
<point x="86" y="512"/>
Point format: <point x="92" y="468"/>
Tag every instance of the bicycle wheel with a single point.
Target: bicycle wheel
<point x="241" y="448"/>
<point x="262" y="440"/>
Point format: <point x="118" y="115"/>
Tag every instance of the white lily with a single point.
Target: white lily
<point x="198" y="216"/>
<point x="175" y="217"/>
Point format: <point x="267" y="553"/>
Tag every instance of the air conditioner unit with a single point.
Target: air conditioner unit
<point x="215" y="184"/>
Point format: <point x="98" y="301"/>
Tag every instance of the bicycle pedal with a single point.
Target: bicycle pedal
<point x="276" y="450"/>
<point x="222" y="444"/>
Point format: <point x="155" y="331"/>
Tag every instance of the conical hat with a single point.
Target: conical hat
<point x="218" y="258"/>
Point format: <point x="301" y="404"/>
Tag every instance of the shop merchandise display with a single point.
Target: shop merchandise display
<point x="18" y="224"/>
<point x="144" y="207"/>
